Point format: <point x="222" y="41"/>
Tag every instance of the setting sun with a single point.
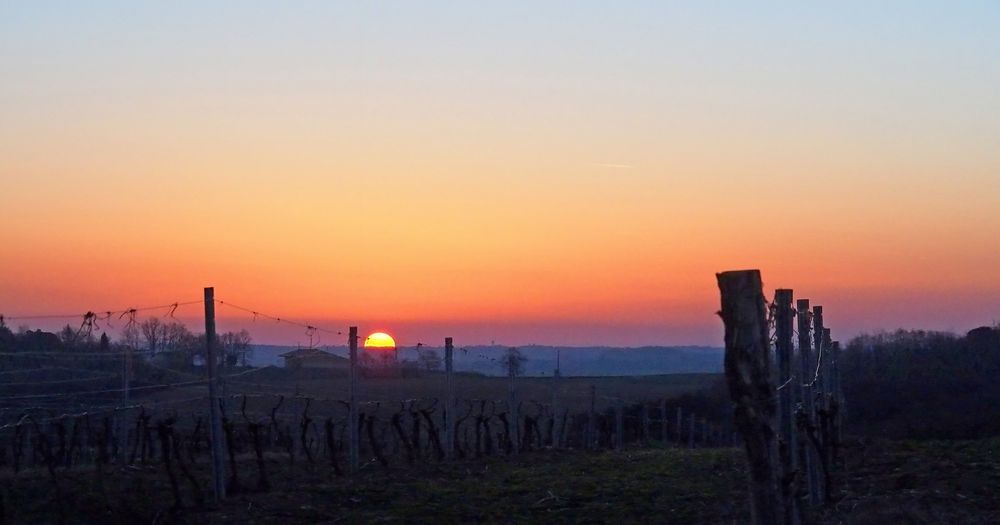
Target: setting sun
<point x="380" y="340"/>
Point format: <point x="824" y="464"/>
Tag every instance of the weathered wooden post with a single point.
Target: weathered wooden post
<point x="122" y="433"/>
<point x="556" y="427"/>
<point x="807" y="453"/>
<point x="820" y="406"/>
<point x="680" y="427"/>
<point x="619" y="425"/>
<point x="783" y="352"/>
<point x="663" y="422"/>
<point x="515" y="423"/>
<point x="449" y="403"/>
<point x="354" y="442"/>
<point x="838" y="392"/>
<point x="215" y="420"/>
<point x="645" y="423"/>
<point x="818" y="338"/>
<point x="827" y="367"/>
<point x="592" y="420"/>
<point x="828" y="425"/>
<point x="691" y="431"/>
<point x="748" y="376"/>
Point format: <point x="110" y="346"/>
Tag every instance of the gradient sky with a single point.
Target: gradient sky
<point x="549" y="172"/>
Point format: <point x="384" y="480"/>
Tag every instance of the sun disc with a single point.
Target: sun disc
<point x="380" y="340"/>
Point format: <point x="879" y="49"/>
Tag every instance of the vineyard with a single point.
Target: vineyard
<point x="80" y="421"/>
<point x="95" y="432"/>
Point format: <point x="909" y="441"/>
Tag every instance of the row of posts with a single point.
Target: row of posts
<point x="353" y="427"/>
<point x="791" y="468"/>
<point x="815" y="385"/>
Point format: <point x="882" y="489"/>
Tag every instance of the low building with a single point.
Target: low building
<point x="313" y="358"/>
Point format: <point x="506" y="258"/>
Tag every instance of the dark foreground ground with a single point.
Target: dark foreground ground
<point x="897" y="482"/>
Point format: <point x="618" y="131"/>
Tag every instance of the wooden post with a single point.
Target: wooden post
<point x="215" y="420"/>
<point x="121" y="433"/>
<point x="663" y="422"/>
<point x="783" y="352"/>
<point x="819" y="393"/>
<point x="645" y="423"/>
<point x="821" y="355"/>
<point x="515" y="423"/>
<point x="748" y="376"/>
<point x="786" y="425"/>
<point x="619" y="425"/>
<point x="592" y="420"/>
<point x="680" y="427"/>
<point x="827" y="367"/>
<point x="556" y="427"/>
<point x="691" y="431"/>
<point x="838" y="392"/>
<point x="449" y="403"/>
<point x="807" y="454"/>
<point x="828" y="430"/>
<point x="354" y="442"/>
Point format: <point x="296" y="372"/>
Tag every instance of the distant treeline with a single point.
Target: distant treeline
<point x="923" y="385"/>
<point x="166" y="344"/>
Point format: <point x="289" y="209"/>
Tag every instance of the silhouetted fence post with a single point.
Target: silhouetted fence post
<point x="121" y="433"/>
<point x="807" y="454"/>
<point x="215" y="419"/>
<point x="838" y="392"/>
<point x="783" y="352"/>
<point x="748" y="376"/>
<point x="828" y="422"/>
<point x="353" y="437"/>
<point x="645" y="423"/>
<point x="449" y="403"/>
<point x="690" y="430"/>
<point x="663" y="421"/>
<point x="592" y="420"/>
<point x="819" y="396"/>
<point x="619" y="425"/>
<point x="819" y="392"/>
<point x="827" y="371"/>
<point x="556" y="427"/>
<point x="680" y="427"/>
<point x="515" y="423"/>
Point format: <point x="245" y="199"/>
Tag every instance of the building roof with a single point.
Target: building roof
<point x="305" y="353"/>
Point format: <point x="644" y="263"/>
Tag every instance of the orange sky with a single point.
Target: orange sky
<point x="530" y="189"/>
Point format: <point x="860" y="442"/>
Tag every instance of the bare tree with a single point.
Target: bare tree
<point x="131" y="336"/>
<point x="154" y="332"/>
<point x="178" y="346"/>
<point x="429" y="359"/>
<point x="513" y="362"/>
<point x="236" y="346"/>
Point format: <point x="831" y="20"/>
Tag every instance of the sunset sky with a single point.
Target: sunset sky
<point x="550" y="172"/>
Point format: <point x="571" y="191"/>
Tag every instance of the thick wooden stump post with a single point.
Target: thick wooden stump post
<point x="748" y="375"/>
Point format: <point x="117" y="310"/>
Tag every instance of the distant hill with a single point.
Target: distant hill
<point x="575" y="361"/>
